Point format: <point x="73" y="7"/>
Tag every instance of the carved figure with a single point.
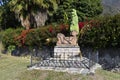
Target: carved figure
<point x="72" y="40"/>
<point x="74" y="29"/>
<point x="74" y="23"/>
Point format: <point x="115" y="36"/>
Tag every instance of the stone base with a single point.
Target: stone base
<point x="66" y="52"/>
<point x="79" y="67"/>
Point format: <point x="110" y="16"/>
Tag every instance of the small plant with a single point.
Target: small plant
<point x="11" y="48"/>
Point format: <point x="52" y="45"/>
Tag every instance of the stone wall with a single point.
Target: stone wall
<point x="108" y="58"/>
<point x="44" y="52"/>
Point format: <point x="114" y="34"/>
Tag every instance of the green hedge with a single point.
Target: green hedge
<point x="8" y="36"/>
<point x="44" y="36"/>
<point x="103" y="35"/>
<point x="104" y="32"/>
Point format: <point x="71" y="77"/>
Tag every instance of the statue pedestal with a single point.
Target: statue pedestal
<point x="66" y="52"/>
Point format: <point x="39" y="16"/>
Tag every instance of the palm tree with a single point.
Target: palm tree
<point x="33" y="13"/>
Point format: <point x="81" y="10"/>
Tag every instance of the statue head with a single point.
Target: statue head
<point x="74" y="12"/>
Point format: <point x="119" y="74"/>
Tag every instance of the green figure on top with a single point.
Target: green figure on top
<point x="74" y="23"/>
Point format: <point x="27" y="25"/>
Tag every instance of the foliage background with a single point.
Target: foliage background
<point x="104" y="31"/>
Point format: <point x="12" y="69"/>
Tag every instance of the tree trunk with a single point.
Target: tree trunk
<point x="41" y="18"/>
<point x="34" y="20"/>
<point x="25" y="22"/>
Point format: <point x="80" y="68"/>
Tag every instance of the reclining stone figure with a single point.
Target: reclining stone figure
<point x="72" y="40"/>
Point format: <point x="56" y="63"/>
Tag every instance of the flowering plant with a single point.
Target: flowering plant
<point x="81" y="25"/>
<point x="22" y="37"/>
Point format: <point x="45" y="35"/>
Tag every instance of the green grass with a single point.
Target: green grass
<point x="109" y="75"/>
<point x="11" y="67"/>
<point x="14" y="68"/>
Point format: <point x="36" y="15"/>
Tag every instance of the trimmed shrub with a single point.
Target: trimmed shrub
<point x="103" y="34"/>
<point x="9" y="37"/>
<point x="44" y="36"/>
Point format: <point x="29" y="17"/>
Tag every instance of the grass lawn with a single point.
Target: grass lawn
<point x="11" y="67"/>
<point x="14" y="68"/>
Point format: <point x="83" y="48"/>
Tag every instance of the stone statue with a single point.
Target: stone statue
<point x="74" y="29"/>
<point x="74" y="23"/>
<point x="72" y="40"/>
<point x="67" y="47"/>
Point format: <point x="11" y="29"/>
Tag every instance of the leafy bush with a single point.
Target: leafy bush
<point x="105" y="34"/>
<point x="45" y="35"/>
<point x="9" y="36"/>
<point x="11" y="48"/>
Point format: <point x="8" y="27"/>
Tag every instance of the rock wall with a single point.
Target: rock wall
<point x="108" y="58"/>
